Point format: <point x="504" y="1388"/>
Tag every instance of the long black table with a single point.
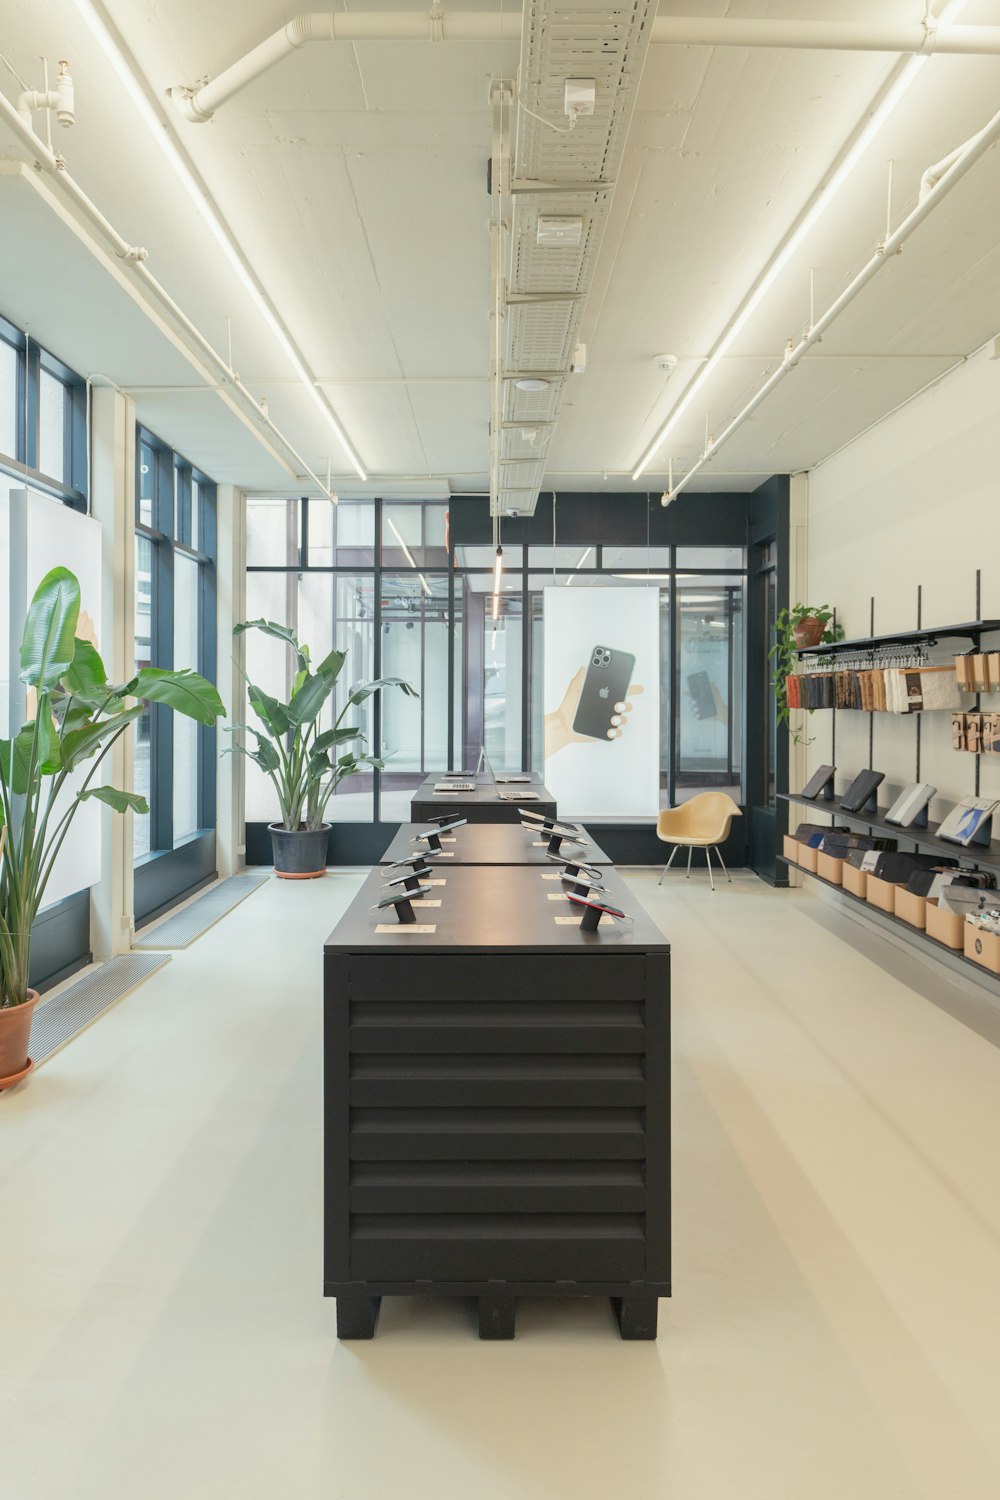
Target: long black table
<point x="490" y="844"/>
<point x="489" y="803"/>
<point x="497" y="1102"/>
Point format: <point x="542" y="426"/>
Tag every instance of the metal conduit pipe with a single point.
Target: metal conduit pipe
<point x="134" y="256"/>
<point x="973" y="150"/>
<point x="438" y="25"/>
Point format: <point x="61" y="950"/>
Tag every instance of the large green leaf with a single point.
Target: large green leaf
<point x="280" y="633"/>
<point x="22" y="761"/>
<point x="271" y="713"/>
<point x="335" y="737"/>
<point x="307" y="703"/>
<point x="112" y="797"/>
<point x="265" y="755"/>
<point x="86" y="674"/>
<point x="81" y="744"/>
<point x="366" y="689"/>
<point x="186" y="692"/>
<point x="48" y="644"/>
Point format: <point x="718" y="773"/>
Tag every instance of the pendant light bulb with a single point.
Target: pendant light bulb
<point x="496" y="606"/>
<point x="497" y="570"/>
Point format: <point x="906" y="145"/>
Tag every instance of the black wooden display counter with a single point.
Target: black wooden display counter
<point x="497" y="1116"/>
<point x="489" y="803"/>
<point x="491" y="844"/>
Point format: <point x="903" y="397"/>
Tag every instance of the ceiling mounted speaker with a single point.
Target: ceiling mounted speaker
<point x="557" y="229"/>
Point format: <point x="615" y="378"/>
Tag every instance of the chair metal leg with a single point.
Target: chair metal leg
<point x="690" y="852"/>
<point x="722" y="862"/>
<point x="669" y="862"/>
<point x="708" y="861"/>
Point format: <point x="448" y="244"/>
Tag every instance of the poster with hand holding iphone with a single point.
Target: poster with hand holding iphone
<point x="602" y="701"/>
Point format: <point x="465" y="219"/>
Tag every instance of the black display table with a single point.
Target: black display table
<point x="497" y="1103"/>
<point x="491" y="844"/>
<point x="484" y="805"/>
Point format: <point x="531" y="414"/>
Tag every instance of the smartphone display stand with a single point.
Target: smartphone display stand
<point x="539" y="824"/>
<point x="825" y="793"/>
<point x="414" y="878"/>
<point x="983" y="836"/>
<point x="581" y="887"/>
<point x="556" y="841"/>
<point x="433" y="835"/>
<point x="919" y="820"/>
<point x="575" y="867"/>
<point x="404" y="911"/>
<point x="590" y="921"/>
<point x="869" y="805"/>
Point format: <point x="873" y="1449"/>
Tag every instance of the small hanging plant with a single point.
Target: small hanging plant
<point x="797" y="629"/>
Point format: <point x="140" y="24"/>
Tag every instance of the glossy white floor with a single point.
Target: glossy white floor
<point x="835" y="1329"/>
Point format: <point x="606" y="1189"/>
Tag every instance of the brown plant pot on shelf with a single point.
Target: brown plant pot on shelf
<point x="15" y="1035"/>
<point x="299" y="854"/>
<point x="808" y="633"/>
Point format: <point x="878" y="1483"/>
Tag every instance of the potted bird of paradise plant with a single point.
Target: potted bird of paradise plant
<point x="78" y="716"/>
<point x="304" y="763"/>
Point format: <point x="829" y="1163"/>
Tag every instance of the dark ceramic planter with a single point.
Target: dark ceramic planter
<point x="300" y="855"/>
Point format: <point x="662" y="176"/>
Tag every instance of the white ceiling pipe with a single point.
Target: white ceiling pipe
<point x="969" y="155"/>
<point x="134" y="256"/>
<point x="833" y="36"/>
<point x="199" y="105"/>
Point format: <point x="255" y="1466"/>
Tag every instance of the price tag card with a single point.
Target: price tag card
<point x="551" y="875"/>
<point x="539" y="843"/>
<point x="424" y="901"/>
<point x="557" y="896"/>
<point x="406" y="928"/>
<point x="567" y="921"/>
<point x="435" y="882"/>
<point x="448" y="838"/>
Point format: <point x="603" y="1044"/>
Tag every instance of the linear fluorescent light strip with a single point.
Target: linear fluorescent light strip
<point x="408" y="555"/>
<point x="579" y="565"/>
<point x="217" y="229"/>
<point x="819" y="205"/>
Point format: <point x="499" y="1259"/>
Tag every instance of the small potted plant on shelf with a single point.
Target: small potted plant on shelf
<point x="797" y="629"/>
<point x="78" y="717"/>
<point x="304" y="763"/>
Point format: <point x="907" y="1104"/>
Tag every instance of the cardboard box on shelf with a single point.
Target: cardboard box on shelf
<point x="791" y="848"/>
<point x="831" y="869"/>
<point x="945" y="926"/>
<point x="982" y="947"/>
<point x="882" y="893"/>
<point x="964" y="674"/>
<point x="911" y="908"/>
<point x="807" y="857"/>
<point x="855" y="881"/>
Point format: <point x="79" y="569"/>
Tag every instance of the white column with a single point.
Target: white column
<point x="798" y="591"/>
<point x="113" y="505"/>
<point x="231" y="597"/>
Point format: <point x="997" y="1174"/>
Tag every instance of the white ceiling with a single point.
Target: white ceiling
<point x="354" y="180"/>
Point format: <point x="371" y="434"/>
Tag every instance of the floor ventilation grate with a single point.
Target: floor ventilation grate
<point x="184" y="926"/>
<point x="57" y="1021"/>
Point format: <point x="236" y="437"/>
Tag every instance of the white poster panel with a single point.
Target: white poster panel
<point x="602" y="701"/>
<point x="44" y="534"/>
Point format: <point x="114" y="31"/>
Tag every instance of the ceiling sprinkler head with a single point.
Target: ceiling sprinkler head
<point x="665" y="363"/>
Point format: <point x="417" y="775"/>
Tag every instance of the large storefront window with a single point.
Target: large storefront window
<point x="174" y="844"/>
<point x="381" y="580"/>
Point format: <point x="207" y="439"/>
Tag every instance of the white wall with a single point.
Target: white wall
<point x="916" y="501"/>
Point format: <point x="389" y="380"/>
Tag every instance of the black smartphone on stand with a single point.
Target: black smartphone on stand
<point x="397" y="896"/>
<point x="609" y="676"/>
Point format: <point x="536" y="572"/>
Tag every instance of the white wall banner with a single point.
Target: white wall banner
<point x="602" y="701"/>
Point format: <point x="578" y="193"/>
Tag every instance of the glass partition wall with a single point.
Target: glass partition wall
<point x="380" y="580"/>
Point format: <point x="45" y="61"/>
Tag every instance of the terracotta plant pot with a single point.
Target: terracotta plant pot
<point x="15" y="1034"/>
<point x="808" y="633"/>
<point x="299" y="854"/>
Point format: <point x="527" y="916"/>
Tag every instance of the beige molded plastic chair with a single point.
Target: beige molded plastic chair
<point x="702" y="823"/>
